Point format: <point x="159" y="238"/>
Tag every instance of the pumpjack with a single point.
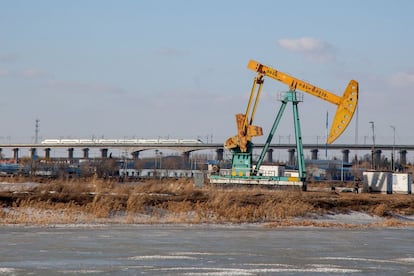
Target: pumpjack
<point x="243" y="171"/>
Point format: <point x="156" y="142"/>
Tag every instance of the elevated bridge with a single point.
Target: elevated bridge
<point x="187" y="148"/>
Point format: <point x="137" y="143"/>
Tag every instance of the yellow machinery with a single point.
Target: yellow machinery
<point x="346" y="104"/>
<point x="241" y="144"/>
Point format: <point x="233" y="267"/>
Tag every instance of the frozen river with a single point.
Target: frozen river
<point x="204" y="250"/>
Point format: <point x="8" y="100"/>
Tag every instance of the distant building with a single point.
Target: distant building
<point x="329" y="170"/>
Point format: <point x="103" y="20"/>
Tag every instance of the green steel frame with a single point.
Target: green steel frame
<point x="290" y="96"/>
<point x="242" y="164"/>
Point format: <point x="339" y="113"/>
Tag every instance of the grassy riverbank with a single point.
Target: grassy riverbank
<point x="177" y="201"/>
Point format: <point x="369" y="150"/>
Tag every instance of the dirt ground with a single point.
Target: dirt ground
<point x="177" y="201"/>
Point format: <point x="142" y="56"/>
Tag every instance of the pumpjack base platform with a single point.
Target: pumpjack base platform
<point x="270" y="182"/>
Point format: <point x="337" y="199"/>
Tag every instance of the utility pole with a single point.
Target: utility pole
<point x="155" y="163"/>
<point x="37" y="131"/>
<point x="160" y="153"/>
<point x="36" y="138"/>
<point x="373" y="145"/>
<point x="393" y="150"/>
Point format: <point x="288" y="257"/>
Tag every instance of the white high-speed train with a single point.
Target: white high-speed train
<point x="119" y="141"/>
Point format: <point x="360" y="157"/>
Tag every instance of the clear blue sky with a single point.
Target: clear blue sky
<point x="178" y="68"/>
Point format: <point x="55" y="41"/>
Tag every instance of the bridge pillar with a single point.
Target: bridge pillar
<point x="70" y="153"/>
<point x="291" y="156"/>
<point x="377" y="158"/>
<point x="33" y="153"/>
<point x="403" y="157"/>
<point x="135" y="155"/>
<point x="85" y="153"/>
<point x="314" y="154"/>
<point x="219" y="153"/>
<point x="104" y="153"/>
<point x="186" y="158"/>
<point x="16" y="154"/>
<point x="345" y="155"/>
<point x="270" y="155"/>
<point x="47" y="153"/>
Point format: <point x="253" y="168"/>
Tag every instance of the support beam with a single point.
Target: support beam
<point x="85" y="153"/>
<point x="219" y="153"/>
<point x="135" y="155"/>
<point x="377" y="158"/>
<point x="186" y="158"/>
<point x="104" y="153"/>
<point x="314" y="155"/>
<point x="70" y="153"/>
<point x="33" y="153"/>
<point x="270" y="155"/>
<point x="16" y="154"/>
<point x="291" y="156"/>
<point x="403" y="157"/>
<point x="345" y="155"/>
<point x="47" y="153"/>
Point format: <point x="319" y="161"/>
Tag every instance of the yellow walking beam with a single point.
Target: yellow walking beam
<point x="346" y="104"/>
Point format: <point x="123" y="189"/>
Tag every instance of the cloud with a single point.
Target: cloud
<point x="402" y="79"/>
<point x="314" y="50"/>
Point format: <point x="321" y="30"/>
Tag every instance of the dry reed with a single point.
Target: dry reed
<point x="160" y="201"/>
